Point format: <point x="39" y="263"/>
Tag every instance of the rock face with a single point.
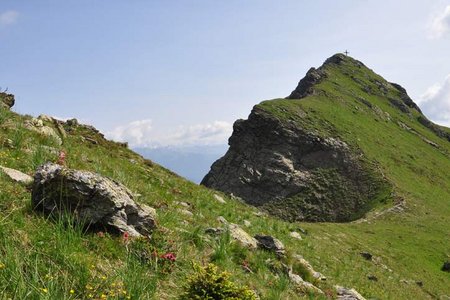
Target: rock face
<point x="294" y="173"/>
<point x="93" y="200"/>
<point x="6" y="100"/>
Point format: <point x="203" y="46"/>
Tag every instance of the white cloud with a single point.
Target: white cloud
<point x="8" y="17"/>
<point x="143" y="134"/>
<point x="435" y="102"/>
<point x="440" y="24"/>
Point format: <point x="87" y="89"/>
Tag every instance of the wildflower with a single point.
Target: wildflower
<point x="103" y="277"/>
<point x="2" y="266"/>
<point x="44" y="290"/>
<point x="103" y="296"/>
<point x="72" y="292"/>
<point x="101" y="234"/>
<point x="125" y="236"/>
<point x="169" y="256"/>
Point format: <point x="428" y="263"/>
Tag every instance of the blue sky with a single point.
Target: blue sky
<point x="181" y="72"/>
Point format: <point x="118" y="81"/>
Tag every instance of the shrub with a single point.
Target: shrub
<point x="207" y="283"/>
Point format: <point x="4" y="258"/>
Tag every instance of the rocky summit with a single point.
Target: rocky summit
<point x="296" y="164"/>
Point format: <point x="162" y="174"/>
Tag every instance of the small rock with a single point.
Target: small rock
<point x="348" y="294"/>
<point x="446" y="266"/>
<point x="295" y="235"/>
<point x="372" y="278"/>
<point x="17" y="176"/>
<point x="222" y="220"/>
<point x="270" y="243"/>
<point x="419" y="283"/>
<point x="219" y="199"/>
<point x="242" y="237"/>
<point x="247" y="223"/>
<point x="6" y="100"/>
<point x="45" y="118"/>
<point x="306" y="265"/>
<point x="186" y="212"/>
<point x="214" y="231"/>
<point x="72" y="122"/>
<point x="8" y="143"/>
<point x="366" y="255"/>
<point x="93" y="200"/>
<point x="305" y="286"/>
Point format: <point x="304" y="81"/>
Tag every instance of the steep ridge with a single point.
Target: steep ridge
<point x="299" y="165"/>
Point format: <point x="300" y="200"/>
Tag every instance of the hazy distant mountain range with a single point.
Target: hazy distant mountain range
<point x="191" y="162"/>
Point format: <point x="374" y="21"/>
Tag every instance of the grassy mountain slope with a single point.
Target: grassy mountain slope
<point x="43" y="259"/>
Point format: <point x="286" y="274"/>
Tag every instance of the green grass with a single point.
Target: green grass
<point x="44" y="259"/>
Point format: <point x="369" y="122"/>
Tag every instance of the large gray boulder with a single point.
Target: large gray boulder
<point x="93" y="200"/>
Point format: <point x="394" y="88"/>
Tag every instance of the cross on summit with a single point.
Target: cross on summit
<point x="346" y="52"/>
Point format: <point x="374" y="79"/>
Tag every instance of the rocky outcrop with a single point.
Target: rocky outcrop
<point x="292" y="172"/>
<point x="91" y="199"/>
<point x="6" y="100"/>
<point x="306" y="86"/>
<point x="37" y="125"/>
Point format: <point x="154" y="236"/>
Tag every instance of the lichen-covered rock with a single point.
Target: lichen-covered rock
<point x="91" y="199"/>
<point x="6" y="100"/>
<point x="38" y="126"/>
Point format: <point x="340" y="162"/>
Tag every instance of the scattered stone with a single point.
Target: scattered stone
<point x="45" y="118"/>
<point x="38" y="126"/>
<point x="242" y="237"/>
<point x="219" y="199"/>
<point x="247" y="223"/>
<point x="446" y="266"/>
<point x="214" y="231"/>
<point x="93" y="200"/>
<point x="270" y="243"/>
<point x="304" y="286"/>
<point x="366" y="255"/>
<point x="184" y="204"/>
<point x="295" y="235"/>
<point x="91" y="140"/>
<point x="17" y="176"/>
<point x="72" y="122"/>
<point x="317" y="275"/>
<point x="186" y="212"/>
<point x="6" y="100"/>
<point x="8" y="143"/>
<point x="222" y="220"/>
<point x="372" y="278"/>
<point x="348" y="294"/>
